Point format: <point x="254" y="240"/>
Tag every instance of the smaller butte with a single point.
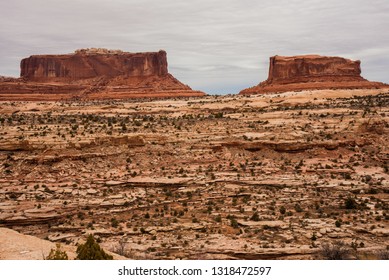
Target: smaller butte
<point x="312" y="72"/>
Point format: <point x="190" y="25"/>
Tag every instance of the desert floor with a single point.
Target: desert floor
<point x="217" y="177"/>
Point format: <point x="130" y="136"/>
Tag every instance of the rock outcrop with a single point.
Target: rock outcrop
<point x="94" y="74"/>
<point x="18" y="246"/>
<point x="308" y="72"/>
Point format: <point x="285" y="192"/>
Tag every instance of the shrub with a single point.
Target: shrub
<point x="57" y="254"/>
<point x="234" y="223"/>
<point x="350" y="203"/>
<point x="114" y="222"/>
<point x="298" y="208"/>
<point x="91" y="251"/>
<point x="255" y="217"/>
<point x="218" y="218"/>
<point x="383" y="254"/>
<point x="335" y="251"/>
<point x="121" y="247"/>
<point x="347" y="176"/>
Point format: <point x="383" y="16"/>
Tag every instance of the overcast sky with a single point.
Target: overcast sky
<point x="218" y="46"/>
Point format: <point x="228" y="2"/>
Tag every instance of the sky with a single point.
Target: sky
<point x="217" y="46"/>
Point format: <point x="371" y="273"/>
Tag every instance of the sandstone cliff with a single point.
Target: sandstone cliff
<point x="311" y="72"/>
<point x="94" y="74"/>
<point x="84" y="64"/>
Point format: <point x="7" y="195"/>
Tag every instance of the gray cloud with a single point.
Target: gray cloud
<point x="216" y="46"/>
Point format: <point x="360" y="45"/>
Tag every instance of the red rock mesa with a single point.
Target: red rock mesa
<point x="309" y="72"/>
<point x="94" y="74"/>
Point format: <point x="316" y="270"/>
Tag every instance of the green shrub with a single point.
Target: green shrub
<point x="234" y="223"/>
<point x="114" y="222"/>
<point x="255" y="217"/>
<point x="218" y="218"/>
<point x="57" y="254"/>
<point x="91" y="251"/>
<point x="350" y="203"/>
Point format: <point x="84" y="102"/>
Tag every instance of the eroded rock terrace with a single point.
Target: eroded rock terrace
<point x="225" y="177"/>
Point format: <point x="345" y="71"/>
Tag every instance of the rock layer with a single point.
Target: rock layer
<point x="312" y="72"/>
<point x="94" y="74"/>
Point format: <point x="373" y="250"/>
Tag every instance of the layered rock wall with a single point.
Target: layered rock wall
<point x="313" y="68"/>
<point x="85" y="64"/>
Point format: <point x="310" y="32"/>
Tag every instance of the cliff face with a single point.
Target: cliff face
<point x="313" y="68"/>
<point x="311" y="72"/>
<point x="85" y="64"/>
